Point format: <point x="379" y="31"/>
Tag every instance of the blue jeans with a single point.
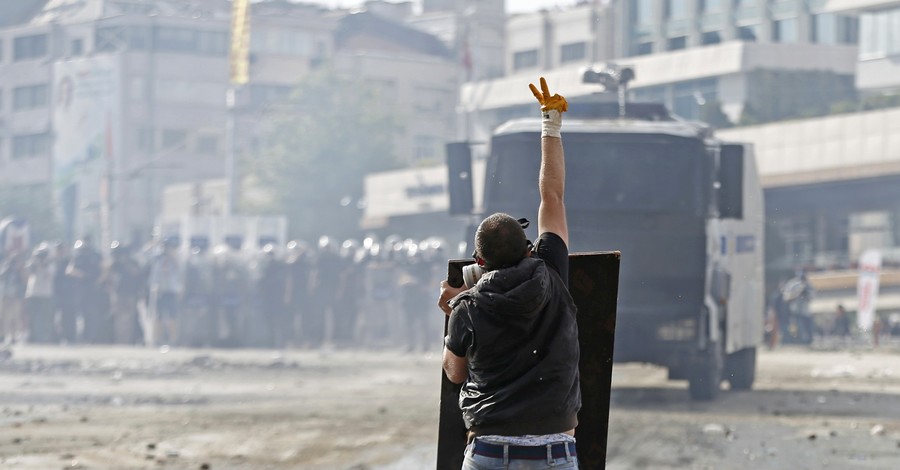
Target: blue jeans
<point x="480" y="462"/>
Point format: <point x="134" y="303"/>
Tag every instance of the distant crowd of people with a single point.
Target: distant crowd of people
<point x="789" y="319"/>
<point x="347" y="294"/>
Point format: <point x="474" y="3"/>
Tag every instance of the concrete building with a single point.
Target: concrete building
<point x="878" y="70"/>
<point x="473" y="29"/>
<point x="727" y="74"/>
<point x="697" y="57"/>
<point x="552" y="39"/>
<point x="107" y="102"/>
<point x="415" y="72"/>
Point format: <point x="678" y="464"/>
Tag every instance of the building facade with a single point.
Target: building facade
<point x="878" y="70"/>
<point x="160" y="71"/>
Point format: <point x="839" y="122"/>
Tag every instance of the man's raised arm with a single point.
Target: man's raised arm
<point x="552" y="179"/>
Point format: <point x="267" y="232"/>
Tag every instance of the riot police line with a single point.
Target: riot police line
<point x="345" y="294"/>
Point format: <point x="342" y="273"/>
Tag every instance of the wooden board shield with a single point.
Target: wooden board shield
<point x="594" y="285"/>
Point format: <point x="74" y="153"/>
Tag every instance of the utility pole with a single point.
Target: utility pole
<point x="239" y="64"/>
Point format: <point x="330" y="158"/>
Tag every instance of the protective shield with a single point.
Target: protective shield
<point x="594" y="285"/>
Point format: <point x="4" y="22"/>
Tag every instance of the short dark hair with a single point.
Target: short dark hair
<point x="500" y="241"/>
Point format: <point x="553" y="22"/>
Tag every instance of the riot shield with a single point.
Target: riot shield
<point x="594" y="285"/>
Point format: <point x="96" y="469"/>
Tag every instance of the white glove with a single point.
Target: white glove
<point x="551" y="123"/>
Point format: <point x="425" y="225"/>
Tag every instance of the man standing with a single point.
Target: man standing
<point x="166" y="287"/>
<point x="125" y="279"/>
<point x="64" y="298"/>
<point x="39" y="296"/>
<point x="13" y="278"/>
<point x="84" y="271"/>
<point x="512" y="338"/>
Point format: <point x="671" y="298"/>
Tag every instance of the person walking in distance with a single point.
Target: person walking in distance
<point x="512" y="338"/>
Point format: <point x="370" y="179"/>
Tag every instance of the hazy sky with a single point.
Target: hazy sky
<point x="512" y="6"/>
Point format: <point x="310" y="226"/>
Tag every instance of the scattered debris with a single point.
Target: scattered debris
<point x="715" y="428"/>
<point x="877" y="430"/>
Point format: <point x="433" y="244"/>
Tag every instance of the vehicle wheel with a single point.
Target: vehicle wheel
<point x="705" y="377"/>
<point x="740" y="369"/>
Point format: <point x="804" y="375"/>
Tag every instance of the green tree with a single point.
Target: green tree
<point x="881" y="101"/>
<point x="331" y="133"/>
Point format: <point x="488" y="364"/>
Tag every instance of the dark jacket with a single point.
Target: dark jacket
<point x="522" y="352"/>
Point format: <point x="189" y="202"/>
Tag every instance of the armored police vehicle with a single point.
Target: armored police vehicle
<point x="684" y="209"/>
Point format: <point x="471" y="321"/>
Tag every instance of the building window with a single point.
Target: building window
<point x="176" y="39"/>
<point x="139" y="38"/>
<point x="173" y="139"/>
<point x="656" y="94"/>
<point x="677" y="43"/>
<point x="676" y="9"/>
<point x="710" y="37"/>
<point x="823" y="29"/>
<point x="525" y="59"/>
<point x="29" y="47"/>
<point x="848" y="30"/>
<point x="711" y="6"/>
<point x="572" y="52"/>
<point x="29" y="97"/>
<point x="643" y="12"/>
<point x="77" y="48"/>
<point x="748" y="33"/>
<point x="688" y="98"/>
<point x="208" y="145"/>
<point x="30" y="145"/>
<point x="643" y="48"/>
<point x="879" y="34"/>
<point x="785" y="31"/>
<point x="212" y="43"/>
